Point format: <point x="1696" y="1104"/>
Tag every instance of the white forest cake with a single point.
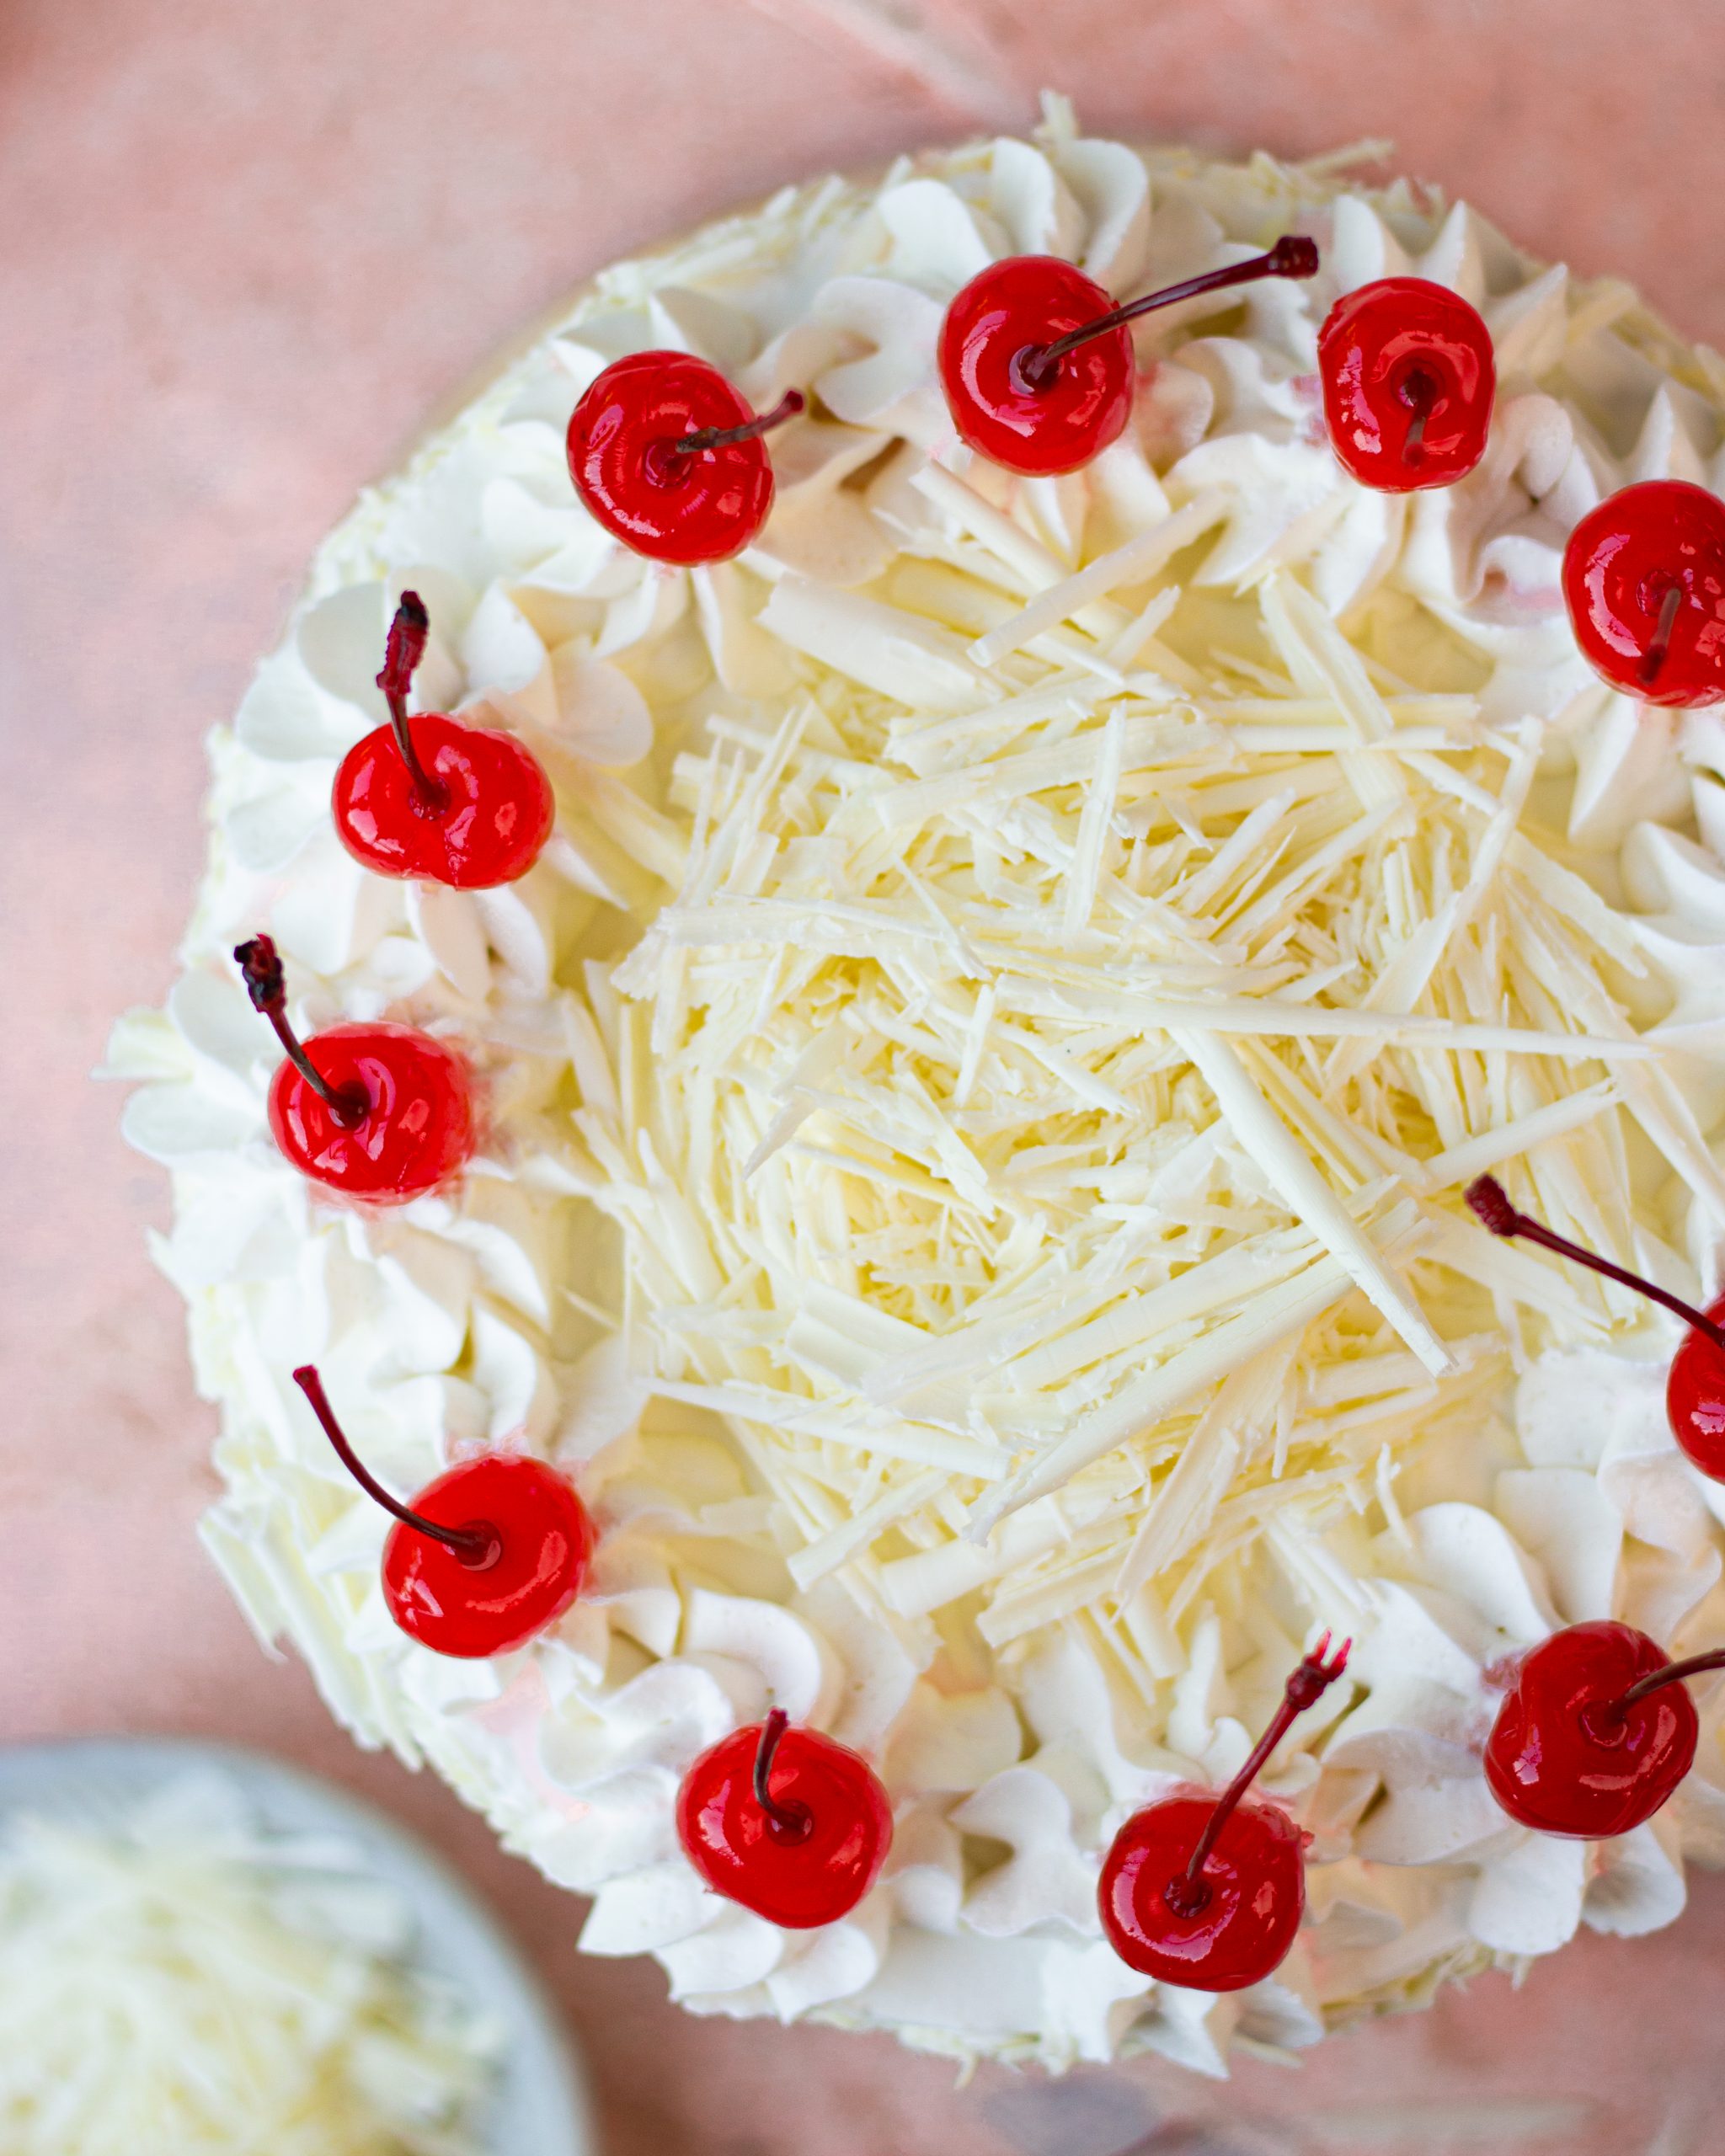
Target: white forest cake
<point x="976" y="1095"/>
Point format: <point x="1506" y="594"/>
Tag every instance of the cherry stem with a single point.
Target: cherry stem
<point x="260" y="967"/>
<point x="401" y="654"/>
<point x="1669" y="1675"/>
<point x="471" y="1546"/>
<point x="1491" y="1202"/>
<point x="1290" y="257"/>
<point x="1654" y="658"/>
<point x="1419" y="390"/>
<point x="787" y="408"/>
<point x="789" y="1823"/>
<point x="1187" y="1893"/>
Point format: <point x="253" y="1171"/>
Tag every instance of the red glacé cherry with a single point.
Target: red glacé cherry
<point x="1204" y="1891"/>
<point x="433" y="798"/>
<point x="992" y="345"/>
<point x="789" y="1823"/>
<point x="490" y="1553"/>
<point x="668" y="457"/>
<point x="1408" y="381"/>
<point x="1695" y="1392"/>
<point x="1037" y="360"/>
<point x="1595" y="1732"/>
<point x="1644" y="582"/>
<point x="377" y="1112"/>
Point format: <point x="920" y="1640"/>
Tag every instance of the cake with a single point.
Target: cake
<point x="977" y="1094"/>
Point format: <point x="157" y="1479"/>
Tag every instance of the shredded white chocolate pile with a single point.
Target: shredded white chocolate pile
<point x="1035" y="1051"/>
<point x="161" y="1988"/>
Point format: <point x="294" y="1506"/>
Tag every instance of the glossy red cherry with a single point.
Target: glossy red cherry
<point x="1037" y="360"/>
<point x="1644" y="582"/>
<point x="432" y="797"/>
<point x="668" y="458"/>
<point x="1595" y="1732"/>
<point x="489" y="1555"/>
<point x="1008" y="401"/>
<point x="378" y="1112"/>
<point x="790" y="1823"/>
<point x="1408" y="381"/>
<point x="1695" y="1392"/>
<point x="1204" y="1890"/>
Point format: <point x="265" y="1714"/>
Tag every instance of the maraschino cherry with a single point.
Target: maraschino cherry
<point x="1037" y="360"/>
<point x="1695" y="1392"/>
<point x="1204" y="1891"/>
<point x="791" y="1824"/>
<point x="668" y="457"/>
<point x="377" y="1112"/>
<point x="490" y="1553"/>
<point x="1408" y="381"/>
<point x="1595" y="1732"/>
<point x="1644" y="582"/>
<point x="433" y="798"/>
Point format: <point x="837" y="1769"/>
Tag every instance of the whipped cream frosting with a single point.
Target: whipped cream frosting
<point x="978" y="1089"/>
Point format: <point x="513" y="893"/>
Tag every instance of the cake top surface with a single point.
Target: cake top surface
<point x="979" y="1088"/>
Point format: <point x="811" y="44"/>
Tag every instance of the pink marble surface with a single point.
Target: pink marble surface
<point x="244" y="245"/>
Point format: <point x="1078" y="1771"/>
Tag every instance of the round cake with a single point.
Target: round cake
<point x="975" y="1096"/>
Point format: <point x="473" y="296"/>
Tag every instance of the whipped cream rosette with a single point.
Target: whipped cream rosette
<point x="978" y="1091"/>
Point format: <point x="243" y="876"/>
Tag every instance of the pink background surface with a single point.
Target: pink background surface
<point x="244" y="245"/>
